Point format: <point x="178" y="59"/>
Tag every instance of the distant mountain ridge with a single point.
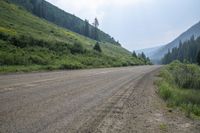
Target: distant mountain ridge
<point x="158" y="54"/>
<point x="51" y="13"/>
<point x="148" y="51"/>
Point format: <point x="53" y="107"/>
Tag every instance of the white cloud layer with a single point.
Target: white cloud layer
<point x="89" y="9"/>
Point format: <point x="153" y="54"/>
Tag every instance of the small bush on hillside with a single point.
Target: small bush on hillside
<point x="3" y="36"/>
<point x="77" y="48"/>
<point x="97" y="47"/>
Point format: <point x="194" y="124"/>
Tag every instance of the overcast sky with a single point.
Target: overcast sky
<point x="137" y="24"/>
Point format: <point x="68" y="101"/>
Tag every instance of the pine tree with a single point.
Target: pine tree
<point x="198" y="58"/>
<point x="96" y="24"/>
<point x="143" y="56"/>
<point x="186" y="52"/>
<point x="134" y="54"/>
<point x="86" y="30"/>
<point x="97" y="47"/>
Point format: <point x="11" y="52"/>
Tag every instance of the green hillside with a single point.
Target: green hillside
<point x="51" y="13"/>
<point x="29" y="43"/>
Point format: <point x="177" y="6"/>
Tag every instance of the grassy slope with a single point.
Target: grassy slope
<point x="15" y="21"/>
<point x="180" y="87"/>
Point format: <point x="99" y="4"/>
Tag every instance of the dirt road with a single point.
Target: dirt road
<point x="98" y="100"/>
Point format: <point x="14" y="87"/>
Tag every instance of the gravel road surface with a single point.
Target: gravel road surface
<point x="111" y="100"/>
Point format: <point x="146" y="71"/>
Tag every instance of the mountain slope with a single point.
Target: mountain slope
<point x="186" y="52"/>
<point x="148" y="51"/>
<point x="51" y="13"/>
<point x="158" y="54"/>
<point x="30" y="43"/>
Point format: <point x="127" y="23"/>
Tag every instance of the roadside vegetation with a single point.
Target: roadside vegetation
<point x="24" y="53"/>
<point x="28" y="43"/>
<point x="180" y="87"/>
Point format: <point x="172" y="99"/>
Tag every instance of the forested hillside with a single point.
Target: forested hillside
<point x="157" y="54"/>
<point x="29" y="43"/>
<point x="51" y="13"/>
<point x="186" y="52"/>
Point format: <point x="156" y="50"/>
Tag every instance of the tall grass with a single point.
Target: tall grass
<point x="180" y="86"/>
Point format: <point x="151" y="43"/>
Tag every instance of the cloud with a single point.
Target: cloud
<point x="136" y="23"/>
<point x="89" y="9"/>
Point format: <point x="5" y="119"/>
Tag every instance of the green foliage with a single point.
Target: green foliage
<point x="97" y="47"/>
<point x="134" y="54"/>
<point x="96" y="34"/>
<point x="163" y="127"/>
<point x="144" y="58"/>
<point x="13" y="68"/>
<point x="40" y="60"/>
<point x="165" y="91"/>
<point x="77" y="48"/>
<point x="71" y="65"/>
<point x="49" y="12"/>
<point x="28" y="43"/>
<point x="186" y="52"/>
<point x="180" y="86"/>
<point x="198" y="58"/>
<point x="142" y="55"/>
<point x="87" y="28"/>
<point x="16" y="58"/>
<point x="185" y="75"/>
